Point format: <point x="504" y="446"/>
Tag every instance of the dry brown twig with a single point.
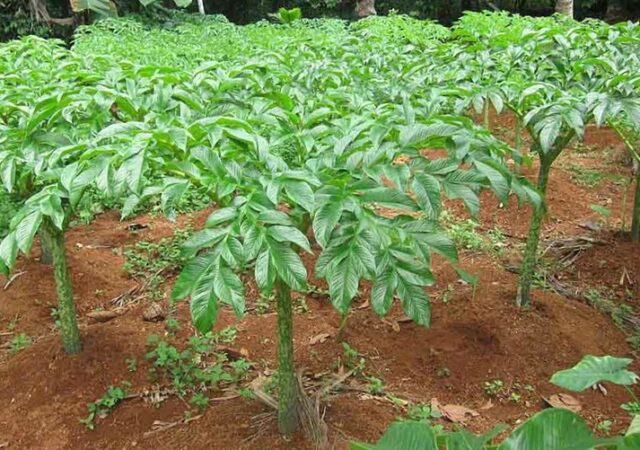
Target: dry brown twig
<point x="13" y="278"/>
<point x="159" y="425"/>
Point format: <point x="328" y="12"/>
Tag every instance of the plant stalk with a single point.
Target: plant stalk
<point x="69" y="332"/>
<point x="46" y="257"/>
<point x="485" y="113"/>
<point x="518" y="141"/>
<point x="343" y="326"/>
<point x="287" y="388"/>
<point x="635" y="222"/>
<point x="523" y="297"/>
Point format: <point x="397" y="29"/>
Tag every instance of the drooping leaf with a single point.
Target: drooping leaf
<point x="288" y="265"/>
<point x="595" y="369"/>
<point x="325" y="220"/>
<point x="27" y="229"/>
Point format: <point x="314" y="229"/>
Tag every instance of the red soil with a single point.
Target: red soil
<point x="476" y="337"/>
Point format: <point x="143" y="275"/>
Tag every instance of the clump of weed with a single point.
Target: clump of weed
<point x="19" y="342"/>
<point x="198" y="367"/>
<point x="150" y="261"/>
<point x="105" y="404"/>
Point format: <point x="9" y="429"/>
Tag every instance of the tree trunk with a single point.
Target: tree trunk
<point x="201" y="6"/>
<point x="528" y="268"/>
<point x="287" y="387"/>
<point x="66" y="307"/>
<point x="365" y="8"/>
<point x="39" y="12"/>
<point x="616" y="11"/>
<point x="565" y="7"/>
<point x="635" y="224"/>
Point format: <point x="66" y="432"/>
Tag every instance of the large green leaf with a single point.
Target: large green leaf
<point x="27" y="229"/>
<point x="427" y="190"/>
<point x="465" y="440"/>
<point x="229" y="289"/>
<point x="288" y="265"/>
<point x="407" y="435"/>
<point x="9" y="250"/>
<point x="325" y="220"/>
<point x="551" y="429"/>
<point x="343" y="279"/>
<point x="103" y="7"/>
<point x="195" y="269"/>
<point x="415" y="301"/>
<point x="595" y="369"/>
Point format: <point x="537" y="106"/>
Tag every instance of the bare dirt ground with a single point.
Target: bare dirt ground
<point x="475" y="336"/>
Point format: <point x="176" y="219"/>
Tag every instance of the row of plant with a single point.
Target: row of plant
<point x="306" y="137"/>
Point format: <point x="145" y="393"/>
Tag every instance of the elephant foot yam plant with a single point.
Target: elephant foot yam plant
<point x="267" y="219"/>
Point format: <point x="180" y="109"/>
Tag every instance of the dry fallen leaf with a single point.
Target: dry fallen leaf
<point x="395" y="326"/>
<point x="458" y="413"/>
<point x="487" y="405"/>
<point x="102" y="316"/>
<point x="564" y="401"/>
<point x="319" y="338"/>
<point x="154" y="313"/>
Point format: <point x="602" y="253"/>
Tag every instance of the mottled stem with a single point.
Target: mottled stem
<point x="523" y="298"/>
<point x="287" y="387"/>
<point x="66" y="306"/>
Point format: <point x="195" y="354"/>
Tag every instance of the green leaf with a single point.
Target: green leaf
<point x="288" y="266"/>
<point x="289" y="234"/>
<point x="27" y="229"/>
<point x="8" y="174"/>
<point x="204" y="303"/>
<point x="384" y="284"/>
<point x="229" y="288"/>
<point x="51" y="206"/>
<point x="343" y="279"/>
<point x="464" y="440"/>
<point x="205" y="238"/>
<point x="549" y="134"/>
<point x="407" y="435"/>
<point x="103" y="7"/>
<point x="467" y="277"/>
<point x="392" y="198"/>
<point x="427" y="190"/>
<point x="441" y="244"/>
<point x="301" y="193"/>
<point x="9" y="250"/>
<point x="634" y="427"/>
<point x="595" y="369"/>
<point x="221" y="215"/>
<point x="326" y="219"/>
<point x="265" y="273"/>
<point x="415" y="302"/>
<point x="195" y="269"/>
<point x="551" y="429"/>
<point x="497" y="180"/>
<point x="130" y="204"/>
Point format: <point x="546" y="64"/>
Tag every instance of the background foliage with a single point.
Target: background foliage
<point x="16" y="20"/>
